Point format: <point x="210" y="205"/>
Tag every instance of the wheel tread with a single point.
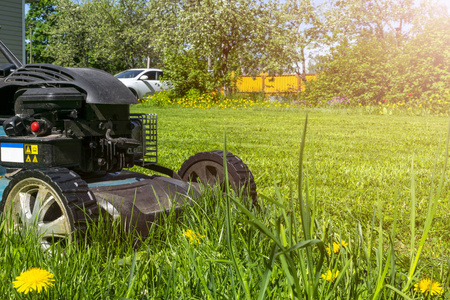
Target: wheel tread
<point x="244" y="177"/>
<point x="72" y="188"/>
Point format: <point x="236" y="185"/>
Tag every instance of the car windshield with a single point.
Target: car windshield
<point x="128" y="74"/>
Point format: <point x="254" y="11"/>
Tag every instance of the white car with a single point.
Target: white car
<point x="142" y="82"/>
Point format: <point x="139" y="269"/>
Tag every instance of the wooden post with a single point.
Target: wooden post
<point x="31" y="44"/>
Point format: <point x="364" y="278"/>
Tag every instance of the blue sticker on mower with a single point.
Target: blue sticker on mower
<point x="12" y="152"/>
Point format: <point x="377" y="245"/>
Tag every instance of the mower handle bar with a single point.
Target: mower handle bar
<point x="9" y="55"/>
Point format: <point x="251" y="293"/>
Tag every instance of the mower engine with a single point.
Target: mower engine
<point x="72" y="117"/>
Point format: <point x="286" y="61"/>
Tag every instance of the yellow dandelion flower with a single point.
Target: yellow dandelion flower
<point x="426" y="287"/>
<point x="330" y="276"/>
<point x="34" y="279"/>
<point x="337" y="247"/>
<point x="194" y="237"/>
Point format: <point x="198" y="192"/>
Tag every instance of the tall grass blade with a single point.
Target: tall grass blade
<point x="228" y="223"/>
<point x="413" y="213"/>
<point x="252" y="220"/>
<point x="381" y="273"/>
<point x="306" y="218"/>
<point x="394" y="225"/>
<point x="284" y="264"/>
<point x="312" y="280"/>
<point x="212" y="282"/>
<point x="131" y="276"/>
<point x="170" y="280"/>
<point x="198" y="272"/>
<point x="267" y="273"/>
<point x="432" y="206"/>
<point x="289" y="267"/>
<point x="382" y="276"/>
<point x="294" y="230"/>
<point x="330" y="294"/>
<point x="398" y="292"/>
<point x="304" y="244"/>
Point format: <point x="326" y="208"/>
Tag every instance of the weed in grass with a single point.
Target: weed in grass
<point x="428" y="287"/>
<point x="210" y="101"/>
<point x="428" y="104"/>
<point x="193" y="237"/>
<point x="34" y="279"/>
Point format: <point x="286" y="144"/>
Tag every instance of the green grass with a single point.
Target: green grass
<point x="357" y="186"/>
<point x="357" y="158"/>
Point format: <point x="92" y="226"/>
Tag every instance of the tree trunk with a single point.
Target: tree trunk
<point x="303" y="76"/>
<point x="226" y="87"/>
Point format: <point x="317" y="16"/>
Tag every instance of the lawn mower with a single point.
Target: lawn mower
<point x="67" y="139"/>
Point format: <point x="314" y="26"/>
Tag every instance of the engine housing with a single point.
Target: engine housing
<point x="77" y="118"/>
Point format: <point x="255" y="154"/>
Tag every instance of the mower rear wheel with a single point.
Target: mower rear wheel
<point x="55" y="203"/>
<point x="207" y="168"/>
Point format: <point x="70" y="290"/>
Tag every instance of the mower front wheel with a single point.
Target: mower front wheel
<point x="207" y="168"/>
<point x="54" y="203"/>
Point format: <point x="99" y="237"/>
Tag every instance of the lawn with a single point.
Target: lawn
<point x="353" y="242"/>
<point x="353" y="158"/>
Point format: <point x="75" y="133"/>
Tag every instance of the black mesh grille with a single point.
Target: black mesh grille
<point x="149" y="136"/>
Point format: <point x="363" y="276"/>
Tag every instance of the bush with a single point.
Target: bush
<point x="158" y="99"/>
<point x="186" y="73"/>
<point x="373" y="71"/>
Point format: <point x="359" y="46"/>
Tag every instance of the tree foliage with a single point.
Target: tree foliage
<point x="354" y="20"/>
<point x="306" y="29"/>
<point x="373" y="70"/>
<point x="378" y="50"/>
<point x="111" y="35"/>
<point x="224" y="38"/>
<point x="38" y="22"/>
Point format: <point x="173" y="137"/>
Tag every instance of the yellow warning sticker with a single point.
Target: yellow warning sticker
<point x="31" y="149"/>
<point x="35" y="159"/>
<point x="34" y="149"/>
<point x="28" y="159"/>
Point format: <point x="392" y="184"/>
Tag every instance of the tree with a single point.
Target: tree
<point x="228" y="37"/>
<point x="423" y="67"/>
<point x="367" y="19"/>
<point x="371" y="71"/>
<point x="112" y="35"/>
<point x="39" y="20"/>
<point x="316" y="63"/>
<point x="305" y="29"/>
<point x="383" y="51"/>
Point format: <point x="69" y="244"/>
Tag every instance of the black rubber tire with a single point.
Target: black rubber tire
<point x="207" y="168"/>
<point x="64" y="193"/>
